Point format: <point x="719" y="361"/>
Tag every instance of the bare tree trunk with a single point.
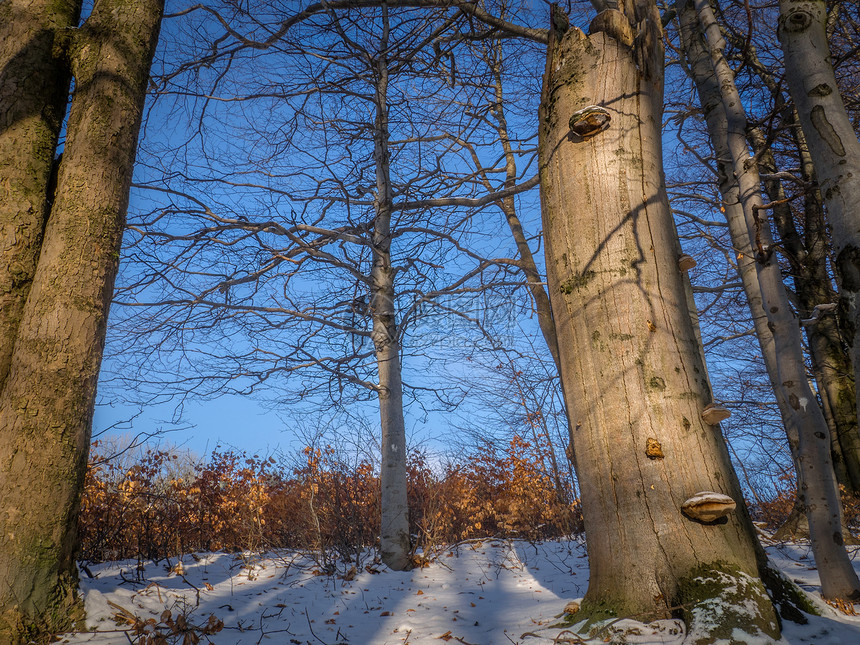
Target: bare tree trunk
<point x="633" y="373"/>
<point x="394" y="537"/>
<point x="832" y="142"/>
<point x="46" y="405"/>
<point x="708" y="88"/>
<point x="817" y="483"/>
<point x="34" y="87"/>
<point x="527" y="263"/>
<point x="831" y="365"/>
<point x="809" y="256"/>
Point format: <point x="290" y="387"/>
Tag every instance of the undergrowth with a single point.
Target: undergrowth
<point x="165" y="504"/>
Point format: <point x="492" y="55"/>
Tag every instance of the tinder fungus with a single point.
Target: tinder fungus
<point x="686" y="262"/>
<point x="590" y="120"/>
<point x="708" y="506"/>
<point x="713" y="414"/>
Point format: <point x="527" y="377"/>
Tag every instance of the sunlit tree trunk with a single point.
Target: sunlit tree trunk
<point x="809" y="257"/>
<point x="34" y="87"/>
<point x="46" y="404"/>
<point x="795" y="397"/>
<point x="633" y="372"/>
<point x="813" y="286"/>
<point x="832" y="142"/>
<point x="394" y="536"/>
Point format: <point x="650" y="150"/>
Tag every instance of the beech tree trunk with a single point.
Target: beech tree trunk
<point x="796" y="399"/>
<point x="46" y="404"/>
<point x="634" y="378"/>
<point x="831" y="364"/>
<point x="832" y="142"/>
<point x="394" y="534"/>
<point x="34" y="87"/>
<point x="828" y="338"/>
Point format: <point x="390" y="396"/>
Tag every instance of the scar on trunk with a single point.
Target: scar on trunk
<point x="653" y="449"/>
<point x="827" y="132"/>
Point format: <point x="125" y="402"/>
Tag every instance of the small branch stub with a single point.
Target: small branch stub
<point x="589" y="121"/>
<point x="713" y="414"/>
<point x="817" y="312"/>
<point x="708" y="506"/>
<point x="686" y="262"/>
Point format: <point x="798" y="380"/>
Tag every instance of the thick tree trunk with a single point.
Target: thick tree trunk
<point x="832" y="142"/>
<point x="46" y="405"/>
<point x="394" y="534"/>
<point x="34" y="87"/>
<point x="817" y="483"/>
<point x="633" y="373"/>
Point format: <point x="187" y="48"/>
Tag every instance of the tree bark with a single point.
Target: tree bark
<point x="831" y="364"/>
<point x="633" y="371"/>
<point x="46" y="405"/>
<point x="34" y="87"/>
<point x="394" y="534"/>
<point x="817" y="482"/>
<point x="832" y="142"/>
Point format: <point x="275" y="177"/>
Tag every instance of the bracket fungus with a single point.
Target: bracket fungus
<point x="686" y="262"/>
<point x="589" y="121"/>
<point x="708" y="506"/>
<point x="713" y="414"/>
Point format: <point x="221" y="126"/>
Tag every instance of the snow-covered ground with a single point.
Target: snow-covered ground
<point x="482" y="593"/>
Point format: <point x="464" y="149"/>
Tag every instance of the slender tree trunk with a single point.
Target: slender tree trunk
<point x="633" y="373"/>
<point x="34" y="87"/>
<point x="832" y="142"/>
<point x="46" y="405"/>
<point x="828" y="339"/>
<point x="831" y="364"/>
<point x="817" y="483"/>
<point x="394" y="537"/>
<point x="527" y="263"/>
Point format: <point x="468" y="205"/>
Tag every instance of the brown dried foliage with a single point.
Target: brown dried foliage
<point x="157" y="508"/>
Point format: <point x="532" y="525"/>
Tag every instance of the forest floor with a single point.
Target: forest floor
<point x="492" y="592"/>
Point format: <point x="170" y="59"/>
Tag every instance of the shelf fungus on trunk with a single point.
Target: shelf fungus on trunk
<point x="713" y="414"/>
<point x="589" y="121"/>
<point x="708" y="506"/>
<point x="686" y="262"/>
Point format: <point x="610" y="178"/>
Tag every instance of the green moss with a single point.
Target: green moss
<point x="589" y="617"/>
<point x="576" y="282"/>
<point x="722" y="603"/>
<point x="657" y="383"/>
<point x="789" y="599"/>
<point x="621" y="337"/>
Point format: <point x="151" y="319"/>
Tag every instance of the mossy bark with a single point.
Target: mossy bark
<point x="34" y="88"/>
<point x="46" y="404"/>
<point x="631" y="360"/>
